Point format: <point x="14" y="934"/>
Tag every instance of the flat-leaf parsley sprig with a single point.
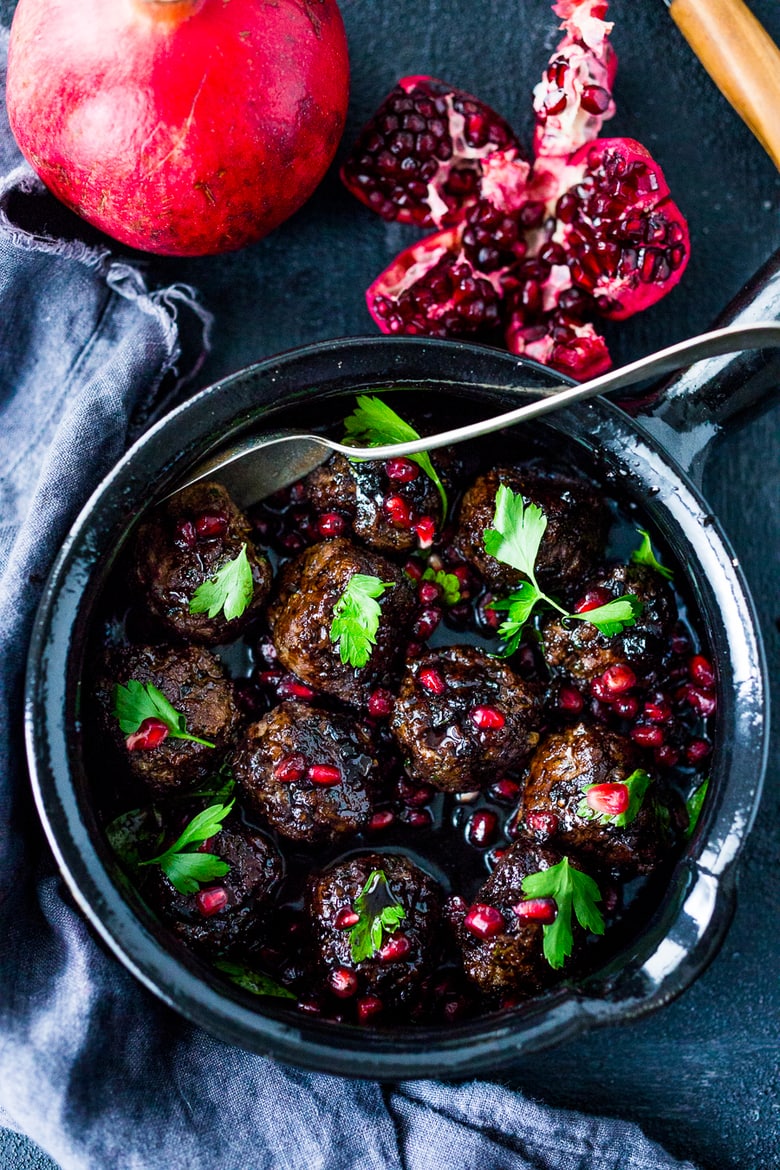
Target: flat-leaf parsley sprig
<point x="575" y="893"/>
<point x="188" y="870"/>
<point x="356" y="617"/>
<point x="379" y="914"/>
<point x="230" y="589"/>
<point x="514" y="540"/>
<point x="645" y="555"/>
<point x="375" y="424"/>
<point x="136" y="702"/>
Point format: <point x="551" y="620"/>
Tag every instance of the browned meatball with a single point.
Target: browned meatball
<point x="406" y="953"/>
<point x="511" y="959"/>
<point x="462" y="717"/>
<point x="573" y="542"/>
<point x="383" y="499"/>
<point x="577" y="649"/>
<point x="228" y="912"/>
<point x="564" y="764"/>
<point x="184" y="543"/>
<point x="312" y="774"/>
<point x="193" y="680"/>
<point x="301" y="615"/>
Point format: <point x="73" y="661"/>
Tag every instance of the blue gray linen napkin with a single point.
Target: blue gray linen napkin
<point x="92" y="1066"/>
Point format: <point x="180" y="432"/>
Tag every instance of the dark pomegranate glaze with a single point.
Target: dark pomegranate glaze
<point x="661" y="714"/>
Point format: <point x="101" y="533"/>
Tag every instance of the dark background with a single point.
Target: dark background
<point x="702" y="1076"/>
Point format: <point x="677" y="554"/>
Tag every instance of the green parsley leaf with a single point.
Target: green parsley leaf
<point x="229" y="590"/>
<point x="517" y="532"/>
<point x="379" y="913"/>
<point x="375" y="424"/>
<point x="644" y="555"/>
<point x="637" y="784"/>
<point x="694" y="805"/>
<point x="254" y="981"/>
<point x="572" y="891"/>
<point x="613" y="617"/>
<point x="356" y="617"/>
<point x="518" y="606"/>
<point x="187" y="871"/>
<point x="138" y="701"/>
<point x="447" y="582"/>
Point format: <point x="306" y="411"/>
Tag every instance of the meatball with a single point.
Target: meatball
<point x="573" y="542"/>
<point x="229" y="912"/>
<point x="301" y="615"/>
<point x="193" y="681"/>
<point x="184" y="543"/>
<point x="384" y="500"/>
<point x="312" y="774"/>
<point x="564" y="764"/>
<point x="462" y="717"/>
<point x="512" y="959"/>
<point x="406" y="952"/>
<point x="577" y="649"/>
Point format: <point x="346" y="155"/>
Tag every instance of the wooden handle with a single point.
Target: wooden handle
<point x="742" y="60"/>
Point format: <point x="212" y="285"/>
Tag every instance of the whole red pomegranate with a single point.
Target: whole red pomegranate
<point x="184" y="127"/>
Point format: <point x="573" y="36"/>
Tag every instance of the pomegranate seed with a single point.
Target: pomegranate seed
<point x="647" y="736"/>
<point x="428" y="591"/>
<point x="490" y="617"/>
<point x="397" y="947"/>
<point x="381" y="820"/>
<point x="346" y="918"/>
<point x="505" y="789"/>
<point x="453" y="1009"/>
<point x="487" y="718"/>
<point x="426" y="531"/>
<point x="658" y="711"/>
<point x="402" y="470"/>
<point x="431" y="679"/>
<point x="482" y="828"/>
<point x="269" y="678"/>
<point x="368" y="1006"/>
<point x="618" y="679"/>
<point x="544" y="823"/>
<point x="418" y="819"/>
<point x="599" y="690"/>
<point x="611" y="799"/>
<point x="626" y="706"/>
<point x="331" y="524"/>
<point x="380" y="703"/>
<point x="700" y="670"/>
<point x="593" y="599"/>
<point x="426" y="622"/>
<point x="697" y="750"/>
<point x="149" y="735"/>
<point x="680" y="644"/>
<point x="570" y="699"/>
<point x="290" y="688"/>
<point x="537" y="909"/>
<point x="210" y="526"/>
<point x="666" y="756"/>
<point x="310" y="1006"/>
<point x="212" y="900"/>
<point x="414" y="795"/>
<point x="185" y="534"/>
<point x="325" y="774"/>
<point x="484" y="921"/>
<point x="291" y="768"/>
<point x="414" y="569"/>
<point x="701" y="701"/>
<point x="594" y="99"/>
<point x="398" y="511"/>
<point x="342" y="982"/>
<point x="496" y="855"/>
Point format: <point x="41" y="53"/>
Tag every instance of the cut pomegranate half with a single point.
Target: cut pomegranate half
<point x="420" y="158"/>
<point x="574" y="97"/>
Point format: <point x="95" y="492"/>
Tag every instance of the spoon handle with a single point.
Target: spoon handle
<point x="731" y="339"/>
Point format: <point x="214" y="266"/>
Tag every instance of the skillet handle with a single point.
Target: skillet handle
<point x="691" y="409"/>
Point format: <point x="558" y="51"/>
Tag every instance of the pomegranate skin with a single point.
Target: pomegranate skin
<point x="182" y="127"/>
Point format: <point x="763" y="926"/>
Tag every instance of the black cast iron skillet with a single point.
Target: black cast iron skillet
<point x="657" y="462"/>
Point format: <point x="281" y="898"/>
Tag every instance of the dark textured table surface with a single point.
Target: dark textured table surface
<point x="703" y="1074"/>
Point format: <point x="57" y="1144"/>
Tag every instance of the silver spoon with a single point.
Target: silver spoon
<point x="259" y="465"/>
